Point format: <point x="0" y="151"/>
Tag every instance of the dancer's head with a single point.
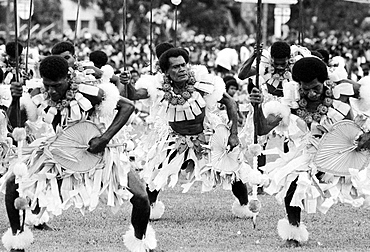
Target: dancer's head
<point x="66" y="50"/>
<point x="311" y="73"/>
<point x="54" y="72"/>
<point x="173" y="63"/>
<point x="280" y="55"/>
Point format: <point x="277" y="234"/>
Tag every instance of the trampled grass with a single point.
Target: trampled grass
<point x="203" y="222"/>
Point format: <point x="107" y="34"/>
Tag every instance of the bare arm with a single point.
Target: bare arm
<point x="264" y="124"/>
<point x="136" y="94"/>
<point x="125" y="109"/>
<point x="232" y="113"/>
<point x="132" y="93"/>
<point x="247" y="70"/>
<point x="16" y="91"/>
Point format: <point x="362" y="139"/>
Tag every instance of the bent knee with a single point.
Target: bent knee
<point x="140" y="198"/>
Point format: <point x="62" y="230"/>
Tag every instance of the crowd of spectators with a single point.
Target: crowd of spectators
<point x="354" y="50"/>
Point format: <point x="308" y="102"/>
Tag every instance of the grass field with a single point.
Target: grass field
<point x="196" y="222"/>
<point x="203" y="222"/>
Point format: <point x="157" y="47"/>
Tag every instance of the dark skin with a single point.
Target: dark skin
<point x="264" y="124"/>
<point x="57" y="90"/>
<point x="247" y="70"/>
<point x="177" y="72"/>
<point x="313" y="91"/>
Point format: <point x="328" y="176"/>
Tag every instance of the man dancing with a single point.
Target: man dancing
<point x="296" y="178"/>
<point x="275" y="70"/>
<point x="63" y="102"/>
<point x="185" y="100"/>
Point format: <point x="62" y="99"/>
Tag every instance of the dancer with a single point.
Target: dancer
<point x="185" y="100"/>
<point x="275" y="71"/>
<point x="64" y="103"/>
<point x="298" y="179"/>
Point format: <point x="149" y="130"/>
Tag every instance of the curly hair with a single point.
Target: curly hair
<point x="164" y="62"/>
<point x="325" y="54"/>
<point x="10" y="49"/>
<point x="231" y="83"/>
<point x="99" y="58"/>
<point x="162" y="47"/>
<point x="309" y="68"/>
<point x="54" y="68"/>
<point x="61" y="47"/>
<point x="280" y="49"/>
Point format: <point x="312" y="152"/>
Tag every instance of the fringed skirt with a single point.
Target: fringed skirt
<point x="204" y="158"/>
<point x="316" y="190"/>
<point x="56" y="188"/>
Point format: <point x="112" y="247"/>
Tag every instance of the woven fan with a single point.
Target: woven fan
<point x="69" y="148"/>
<point x="222" y="159"/>
<point x="337" y="150"/>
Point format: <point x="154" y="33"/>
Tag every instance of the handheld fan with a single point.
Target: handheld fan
<point x="69" y="148"/>
<point x="337" y="150"/>
<point x="222" y="158"/>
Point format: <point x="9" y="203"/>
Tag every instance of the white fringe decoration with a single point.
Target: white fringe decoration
<point x="19" y="134"/>
<point x="134" y="244"/>
<point x="20" y="169"/>
<point x="364" y="103"/>
<point x="108" y="105"/>
<point x="151" y="83"/>
<point x="156" y="210"/>
<point x="277" y="109"/>
<point x="290" y="232"/>
<point x="20" y="241"/>
<point x="35" y="219"/>
<point x="240" y="211"/>
<point x="219" y="90"/>
<point x="5" y="95"/>
<point x="30" y="107"/>
<point x="108" y="72"/>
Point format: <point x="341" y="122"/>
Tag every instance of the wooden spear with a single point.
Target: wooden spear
<point x="254" y="203"/>
<point x="77" y="21"/>
<point x="151" y="37"/>
<point x="124" y="34"/>
<point x="28" y="36"/>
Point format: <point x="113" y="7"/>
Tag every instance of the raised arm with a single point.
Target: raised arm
<point x="16" y="90"/>
<point x="247" y="70"/>
<point x="264" y="124"/>
<point x="132" y="93"/>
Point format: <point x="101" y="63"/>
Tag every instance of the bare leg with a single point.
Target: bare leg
<point x="11" y="194"/>
<point x="141" y="236"/>
<point x="153" y="195"/>
<point x="140" y="204"/>
<point x="241" y="192"/>
<point x="293" y="212"/>
<point x="292" y="230"/>
<point x="16" y="238"/>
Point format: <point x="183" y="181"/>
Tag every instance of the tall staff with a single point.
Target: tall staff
<point x="16" y="59"/>
<point x="175" y="2"/>
<point x="258" y="60"/>
<point x="28" y="35"/>
<point x="19" y="133"/>
<point x="77" y="21"/>
<point x="151" y="37"/>
<point x="254" y="203"/>
<point x="124" y="24"/>
<point x="300" y="32"/>
<point x="124" y="34"/>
